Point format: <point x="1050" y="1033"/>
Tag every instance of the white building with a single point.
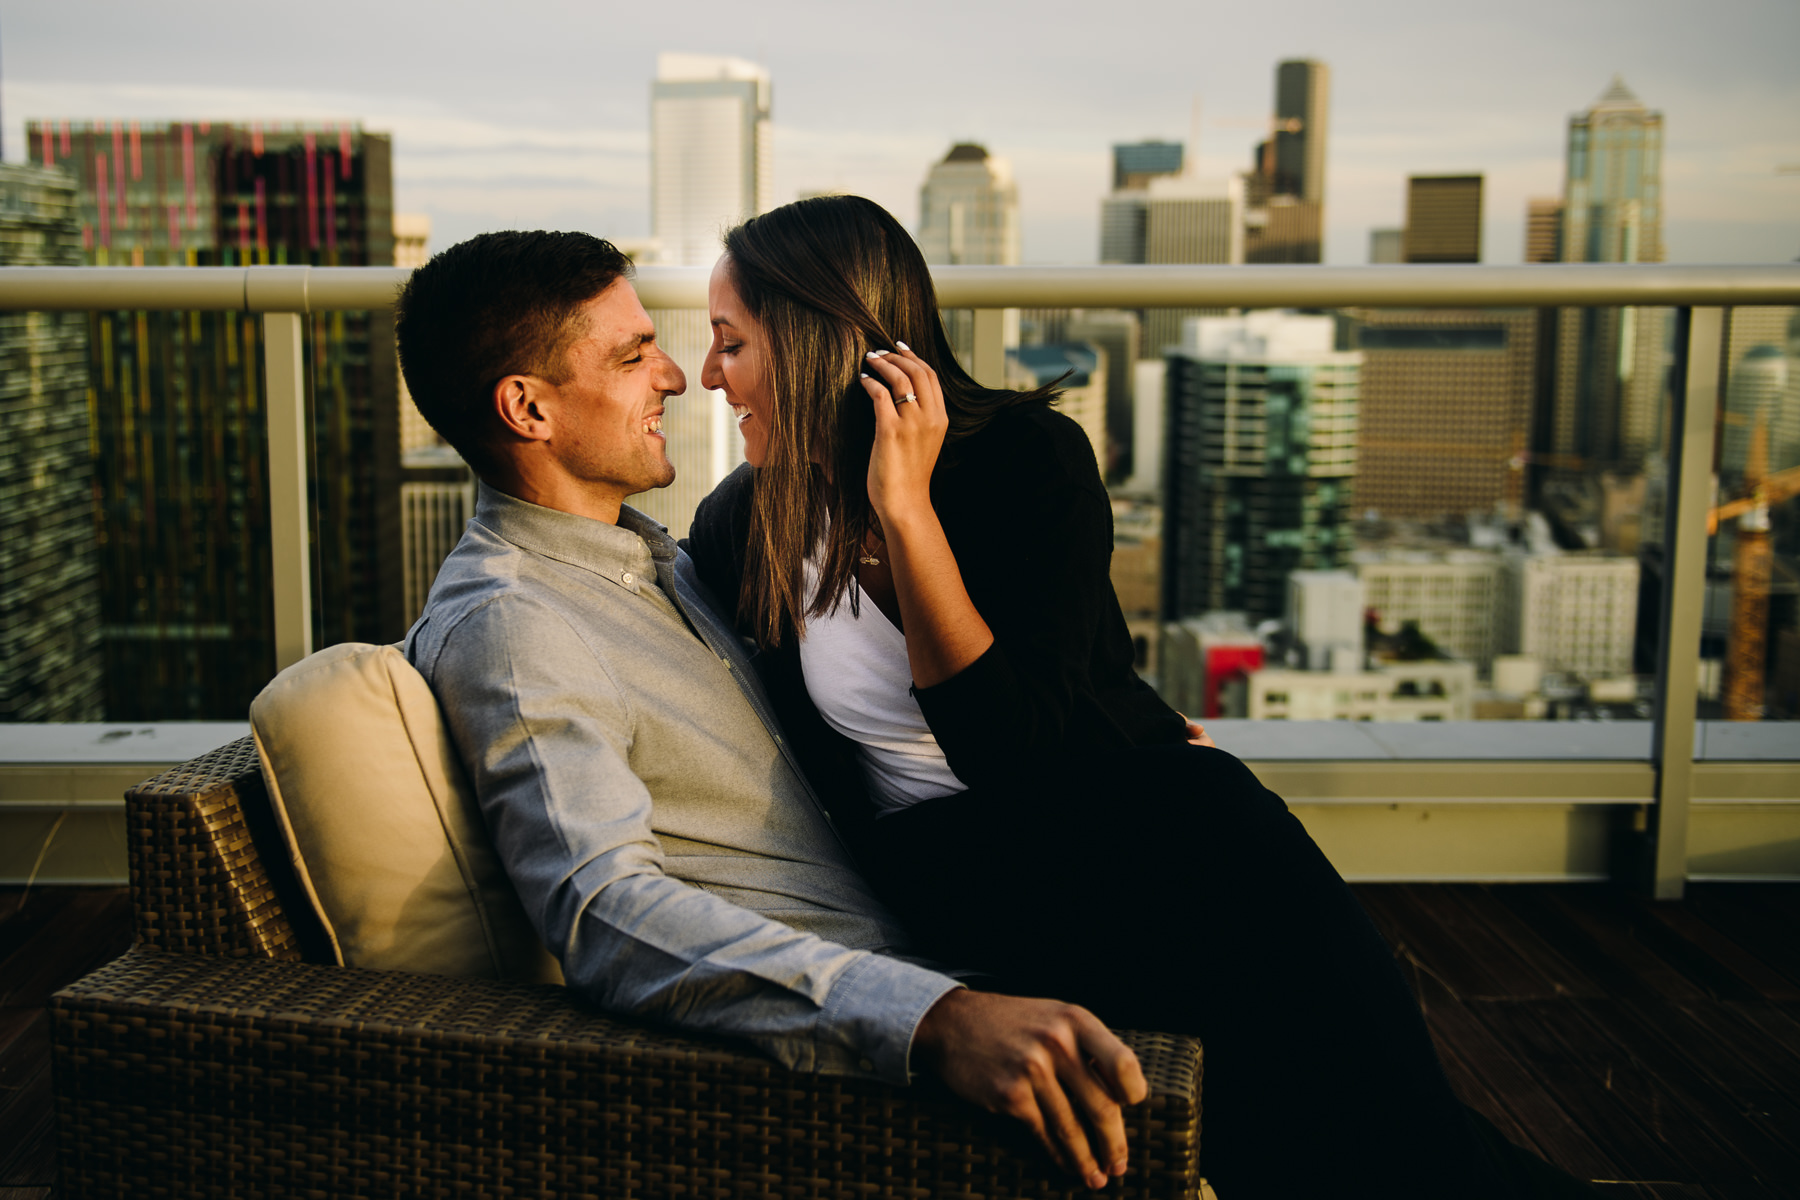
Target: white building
<point x="969" y="214"/>
<point x="969" y="209"/>
<point x="1576" y="613"/>
<point x="1456" y="598"/>
<point x="1325" y="616"/>
<point x="709" y="152"/>
<point x="1148" y="380"/>
<point x="709" y="170"/>
<point x="1415" y="691"/>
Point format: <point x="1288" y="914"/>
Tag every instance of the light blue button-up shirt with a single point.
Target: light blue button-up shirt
<point x="635" y="782"/>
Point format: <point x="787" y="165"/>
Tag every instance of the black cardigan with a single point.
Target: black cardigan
<point x="1030" y="524"/>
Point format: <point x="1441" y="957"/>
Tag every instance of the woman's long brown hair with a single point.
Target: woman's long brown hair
<point x="830" y="279"/>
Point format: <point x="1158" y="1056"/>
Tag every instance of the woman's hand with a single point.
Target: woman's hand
<point x="910" y="422"/>
<point x="944" y="633"/>
<point x="1197" y="735"/>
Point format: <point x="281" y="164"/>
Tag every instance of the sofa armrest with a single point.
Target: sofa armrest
<point x="209" y="871"/>
<point x="179" y="1073"/>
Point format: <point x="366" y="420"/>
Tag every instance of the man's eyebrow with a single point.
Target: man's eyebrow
<point x="630" y="345"/>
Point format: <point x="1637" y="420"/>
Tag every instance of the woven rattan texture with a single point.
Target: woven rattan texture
<point x="213" y="1077"/>
<point x="197" y="883"/>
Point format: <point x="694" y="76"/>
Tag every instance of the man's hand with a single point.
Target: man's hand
<point x="1051" y="1065"/>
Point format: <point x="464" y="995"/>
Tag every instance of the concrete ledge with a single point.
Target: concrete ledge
<point x="1466" y="801"/>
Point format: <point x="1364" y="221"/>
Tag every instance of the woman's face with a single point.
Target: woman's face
<point x="738" y="363"/>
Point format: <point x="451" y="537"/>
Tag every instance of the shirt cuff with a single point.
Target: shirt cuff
<point x="872" y="1013"/>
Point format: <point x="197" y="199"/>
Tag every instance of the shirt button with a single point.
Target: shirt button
<point x="626" y="577"/>
<point x="866" y="1065"/>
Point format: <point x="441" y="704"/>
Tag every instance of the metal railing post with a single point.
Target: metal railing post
<point x="988" y="363"/>
<point x="290" y="541"/>
<point x="1693" y="412"/>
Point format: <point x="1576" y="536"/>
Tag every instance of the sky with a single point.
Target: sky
<point x="536" y="114"/>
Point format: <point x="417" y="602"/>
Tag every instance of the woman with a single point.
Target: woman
<point x="924" y="564"/>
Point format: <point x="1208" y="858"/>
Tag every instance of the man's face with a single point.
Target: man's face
<point x="607" y="434"/>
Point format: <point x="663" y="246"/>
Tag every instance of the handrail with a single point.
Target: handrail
<point x="326" y="289"/>
<point x="283" y="295"/>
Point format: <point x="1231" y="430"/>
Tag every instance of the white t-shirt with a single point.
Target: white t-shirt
<point x="858" y="676"/>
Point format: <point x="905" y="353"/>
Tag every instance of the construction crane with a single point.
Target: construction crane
<point x="1750" y="575"/>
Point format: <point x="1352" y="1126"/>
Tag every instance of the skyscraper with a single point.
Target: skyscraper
<point x="969" y="214"/>
<point x="1443" y="219"/>
<point x="1187" y="221"/>
<point x="710" y="159"/>
<point x="1445" y="412"/>
<point x="181" y="446"/>
<point x="710" y="168"/>
<point x="50" y="662"/>
<point x="969" y="209"/>
<point x="1135" y="164"/>
<point x="1611" y="363"/>
<point x="1285" y="189"/>
<point x="1302" y="102"/>
<point x="1543" y="230"/>
<point x="1122" y="214"/>
<point x="1261" y="446"/>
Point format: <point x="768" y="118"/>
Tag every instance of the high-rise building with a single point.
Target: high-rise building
<point x="1302" y="105"/>
<point x="710" y="169"/>
<point x="1443" y="219"/>
<point x="437" y="489"/>
<point x="710" y="161"/>
<point x="969" y="209"/>
<point x="1260" y="440"/>
<point x="1325" y="619"/>
<point x="1166" y="217"/>
<point x="1456" y="598"/>
<point x="1186" y="221"/>
<point x="1575" y="613"/>
<point x="50" y="659"/>
<point x="969" y="214"/>
<point x="1135" y="164"/>
<point x="1763" y="357"/>
<point x="1284" y="219"/>
<point x="1079" y="370"/>
<point x="179" y="433"/>
<point x="1446" y="407"/>
<point x="1118" y="333"/>
<point x="420" y="444"/>
<point x="1611" y="363"/>
<point x="1543" y="230"/>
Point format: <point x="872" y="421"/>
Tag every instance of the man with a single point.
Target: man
<point x="665" y="843"/>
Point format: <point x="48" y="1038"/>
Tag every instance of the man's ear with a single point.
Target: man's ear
<point x="522" y="404"/>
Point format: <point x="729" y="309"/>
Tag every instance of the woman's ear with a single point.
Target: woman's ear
<point x="523" y="405"/>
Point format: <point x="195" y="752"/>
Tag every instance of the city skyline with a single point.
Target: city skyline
<point x="572" y="148"/>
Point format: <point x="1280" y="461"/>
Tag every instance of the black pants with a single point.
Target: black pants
<point x="1166" y="888"/>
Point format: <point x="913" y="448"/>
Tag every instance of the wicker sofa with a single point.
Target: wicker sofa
<point x="224" y="1056"/>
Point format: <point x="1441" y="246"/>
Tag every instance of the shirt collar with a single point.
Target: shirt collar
<point x="628" y="553"/>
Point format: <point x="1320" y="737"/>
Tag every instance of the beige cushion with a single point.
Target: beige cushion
<point x="382" y="825"/>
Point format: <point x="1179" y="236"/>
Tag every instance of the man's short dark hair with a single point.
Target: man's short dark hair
<point x="498" y="304"/>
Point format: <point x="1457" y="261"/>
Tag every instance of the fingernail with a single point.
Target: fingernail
<point x="862" y="375"/>
<point x="1097" y="1180"/>
<point x="904" y="347"/>
<point x="874" y="354"/>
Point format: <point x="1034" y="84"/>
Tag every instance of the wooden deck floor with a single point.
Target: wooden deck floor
<point x="1655" y="1046"/>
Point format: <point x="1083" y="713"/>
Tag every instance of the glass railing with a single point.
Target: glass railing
<point x="1338" y="514"/>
